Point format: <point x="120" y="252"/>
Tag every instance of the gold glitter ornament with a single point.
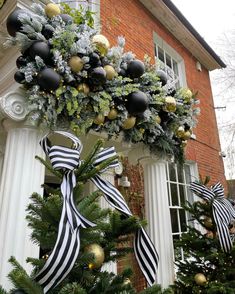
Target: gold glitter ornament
<point x="186" y="135"/>
<point x="113" y="113"/>
<point x="52" y="10"/>
<point x="170" y="104"/>
<point x="110" y="72"/>
<point x="99" y="119"/>
<point x="98" y="253"/>
<point x="129" y="123"/>
<point x="180" y="132"/>
<point x="84" y="88"/>
<point x="76" y="63"/>
<point x="101" y="43"/>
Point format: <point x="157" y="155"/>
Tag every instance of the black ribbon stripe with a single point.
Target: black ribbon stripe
<point x="67" y="246"/>
<point x="223" y="211"/>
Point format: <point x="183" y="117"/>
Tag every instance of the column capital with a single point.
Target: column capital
<point x="14" y="106"/>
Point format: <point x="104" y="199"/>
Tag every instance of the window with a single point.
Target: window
<point x="171" y="62"/>
<point x="178" y="179"/>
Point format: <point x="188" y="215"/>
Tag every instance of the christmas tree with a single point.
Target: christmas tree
<point x="209" y="254"/>
<point x="75" y="235"/>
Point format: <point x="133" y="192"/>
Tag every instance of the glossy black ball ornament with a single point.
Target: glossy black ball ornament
<point x="162" y="76"/>
<point x="39" y="48"/>
<point x="18" y="291"/>
<point x="97" y="76"/>
<point x="48" y="79"/>
<point x="122" y="72"/>
<point x="13" y="22"/>
<point x="66" y="18"/>
<point x="47" y="32"/>
<point x="137" y="103"/>
<point x="19" y="77"/>
<point x="135" y="69"/>
<point x="21" y="61"/>
<point x="94" y="59"/>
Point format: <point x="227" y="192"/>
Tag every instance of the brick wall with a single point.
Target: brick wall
<point x="132" y="20"/>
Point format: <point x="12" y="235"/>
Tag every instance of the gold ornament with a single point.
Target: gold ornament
<point x="45" y="256"/>
<point x="142" y="130"/>
<point x="208" y="223"/>
<point x="186" y="94"/>
<point x="186" y="135"/>
<point x="180" y="132"/>
<point x="84" y="88"/>
<point x="200" y="279"/>
<point x="52" y="10"/>
<point x="126" y="282"/>
<point x="113" y="113"/>
<point x="101" y="43"/>
<point x="184" y="143"/>
<point x="129" y="123"/>
<point x="110" y="72"/>
<point x="170" y="104"/>
<point x="98" y="253"/>
<point x="158" y="119"/>
<point x="99" y="119"/>
<point x="76" y="63"/>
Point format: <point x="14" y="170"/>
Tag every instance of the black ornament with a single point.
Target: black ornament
<point x="18" y="291"/>
<point x="47" y="32"/>
<point x="135" y="69"/>
<point x="39" y="48"/>
<point x="48" y="79"/>
<point x="122" y="72"/>
<point x="97" y="76"/>
<point x="13" y="22"/>
<point x="137" y="103"/>
<point x="94" y="59"/>
<point x="66" y="18"/>
<point x="21" y="61"/>
<point x="19" y="77"/>
<point x="162" y="76"/>
<point x="171" y="92"/>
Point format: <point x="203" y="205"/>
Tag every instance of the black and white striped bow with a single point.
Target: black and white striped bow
<point x="144" y="249"/>
<point x="67" y="246"/>
<point x="223" y="211"/>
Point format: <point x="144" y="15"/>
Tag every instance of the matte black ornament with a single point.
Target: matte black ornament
<point x="135" y="69"/>
<point x="13" y="23"/>
<point x="94" y="59"/>
<point x="18" y="291"/>
<point x="162" y="76"/>
<point x="66" y="18"/>
<point x="47" y="32"/>
<point x="39" y="48"/>
<point x="21" y="61"/>
<point x="137" y="103"/>
<point x="98" y="76"/>
<point x="48" y="79"/>
<point x="19" y="77"/>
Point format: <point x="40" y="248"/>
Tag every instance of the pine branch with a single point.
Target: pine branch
<point x="49" y="167"/>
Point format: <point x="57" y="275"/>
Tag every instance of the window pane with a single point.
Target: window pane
<point x="161" y="54"/>
<point x="175" y="68"/>
<point x="182" y="194"/>
<point x="172" y="172"/>
<point x="168" y="60"/>
<point x="174" y="195"/>
<point x="182" y="220"/>
<point x="180" y="174"/>
<point x="174" y="221"/>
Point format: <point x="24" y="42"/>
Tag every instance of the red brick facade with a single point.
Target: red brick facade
<point x="132" y="20"/>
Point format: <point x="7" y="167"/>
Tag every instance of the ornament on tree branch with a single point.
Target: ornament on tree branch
<point x="98" y="253"/>
<point x="200" y="279"/>
<point x="13" y="23"/>
<point x="52" y="10"/>
<point x="48" y="79"/>
<point x="137" y="103"/>
<point x="135" y="69"/>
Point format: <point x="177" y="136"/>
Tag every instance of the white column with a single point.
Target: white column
<point x="22" y="175"/>
<point x="158" y="217"/>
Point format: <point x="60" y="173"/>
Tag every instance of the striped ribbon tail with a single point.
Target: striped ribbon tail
<point x="144" y="249"/>
<point x="66" y="249"/>
<point x="223" y="211"/>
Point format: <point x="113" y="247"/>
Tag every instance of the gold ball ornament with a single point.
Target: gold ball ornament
<point x="45" y="256"/>
<point x="186" y="135"/>
<point x="129" y="123"/>
<point x="113" y="113"/>
<point x="180" y="132"/>
<point x="158" y="119"/>
<point x="170" y="104"/>
<point x="126" y="282"/>
<point x="52" y="10"/>
<point x="186" y="94"/>
<point x="200" y="279"/>
<point x="84" y="88"/>
<point x="98" y="253"/>
<point x="76" y="63"/>
<point x="99" y="119"/>
<point x="110" y="72"/>
<point x="101" y="43"/>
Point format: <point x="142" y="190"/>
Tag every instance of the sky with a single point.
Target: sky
<point x="213" y="20"/>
